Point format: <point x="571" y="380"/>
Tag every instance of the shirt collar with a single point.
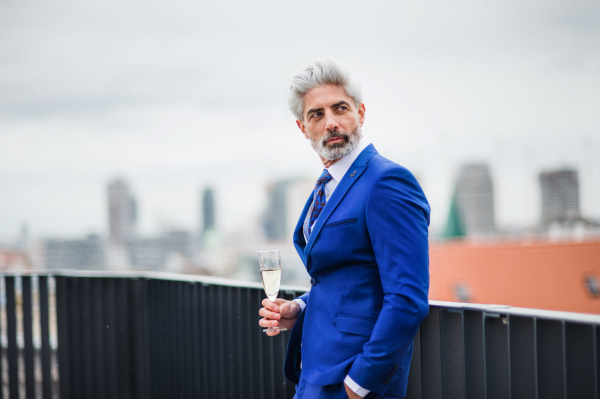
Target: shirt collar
<point x="339" y="169"/>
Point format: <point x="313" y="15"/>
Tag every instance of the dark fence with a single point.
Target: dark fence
<point x="153" y="335"/>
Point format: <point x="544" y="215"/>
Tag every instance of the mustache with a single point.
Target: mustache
<point x="335" y="134"/>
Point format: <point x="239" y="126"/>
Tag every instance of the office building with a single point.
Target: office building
<point x="286" y="199"/>
<point x="121" y="212"/>
<point x="560" y="196"/>
<point x="82" y="254"/>
<point x="472" y="207"/>
<point x="157" y="253"/>
<point x="209" y="220"/>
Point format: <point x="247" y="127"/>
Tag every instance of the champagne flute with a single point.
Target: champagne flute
<point x="270" y="274"/>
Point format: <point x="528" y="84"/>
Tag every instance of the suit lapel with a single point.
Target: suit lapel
<point x="299" y="241"/>
<point x="352" y="175"/>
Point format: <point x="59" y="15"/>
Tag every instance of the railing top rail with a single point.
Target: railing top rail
<point x="192" y="278"/>
<point x="490" y="309"/>
<point x="523" y="312"/>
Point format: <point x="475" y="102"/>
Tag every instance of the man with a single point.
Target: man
<point x="362" y="236"/>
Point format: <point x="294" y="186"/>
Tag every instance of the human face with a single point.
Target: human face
<point x="328" y="109"/>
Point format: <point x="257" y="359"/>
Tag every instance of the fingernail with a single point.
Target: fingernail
<point x="276" y="309"/>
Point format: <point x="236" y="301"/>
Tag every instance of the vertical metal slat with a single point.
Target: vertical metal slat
<point x="109" y="301"/>
<point x="123" y="338"/>
<point x="139" y="346"/>
<point x="580" y="360"/>
<point x="496" y="356"/>
<point x="431" y="364"/>
<point x="474" y="354"/>
<point x="11" y="331"/>
<point x="196" y="342"/>
<point x="28" y="337"/>
<point x="452" y="353"/>
<point x="45" y="337"/>
<point x="86" y="323"/>
<point x="62" y="320"/>
<point x="415" y="385"/>
<point x="99" y="333"/>
<point x="521" y="336"/>
<point x="550" y="358"/>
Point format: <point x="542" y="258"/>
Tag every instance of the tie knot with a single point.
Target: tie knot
<point x="325" y="177"/>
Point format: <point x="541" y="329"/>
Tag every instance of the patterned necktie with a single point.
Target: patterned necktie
<point x="319" y="201"/>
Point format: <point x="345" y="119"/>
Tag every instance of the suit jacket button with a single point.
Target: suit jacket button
<point x="313" y="281"/>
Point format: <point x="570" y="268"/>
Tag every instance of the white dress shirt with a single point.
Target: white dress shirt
<point x="337" y="171"/>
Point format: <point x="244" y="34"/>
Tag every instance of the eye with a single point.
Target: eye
<point x="315" y="115"/>
<point x="342" y="108"/>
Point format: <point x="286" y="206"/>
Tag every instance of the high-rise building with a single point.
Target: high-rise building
<point x="472" y="209"/>
<point x="121" y="212"/>
<point x="209" y="220"/>
<point x="87" y="253"/>
<point x="286" y="199"/>
<point x="560" y="196"/>
<point x="154" y="253"/>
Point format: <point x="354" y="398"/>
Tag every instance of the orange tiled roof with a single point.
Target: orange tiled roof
<point x="539" y="274"/>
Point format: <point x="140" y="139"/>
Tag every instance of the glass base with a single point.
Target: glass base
<point x="273" y="329"/>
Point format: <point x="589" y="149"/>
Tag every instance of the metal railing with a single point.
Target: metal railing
<point x="158" y="335"/>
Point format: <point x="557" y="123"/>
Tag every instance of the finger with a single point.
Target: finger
<point x="268" y="323"/>
<point x="269" y="315"/>
<point x="272" y="333"/>
<point x="270" y="305"/>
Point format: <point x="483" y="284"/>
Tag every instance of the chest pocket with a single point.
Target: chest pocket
<point x="340" y="223"/>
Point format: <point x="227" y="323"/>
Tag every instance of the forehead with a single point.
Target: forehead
<point x="324" y="96"/>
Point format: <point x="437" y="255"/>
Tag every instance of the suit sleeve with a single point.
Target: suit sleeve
<point x="397" y="217"/>
<point x="303" y="298"/>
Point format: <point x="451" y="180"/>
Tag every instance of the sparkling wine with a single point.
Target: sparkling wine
<point x="270" y="279"/>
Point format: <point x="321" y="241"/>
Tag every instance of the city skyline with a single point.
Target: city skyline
<point x="87" y="94"/>
<point x="473" y="186"/>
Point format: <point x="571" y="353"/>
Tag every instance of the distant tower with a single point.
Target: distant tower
<point x="276" y="223"/>
<point x="121" y="212"/>
<point x="209" y="221"/>
<point x="472" y="210"/>
<point x="560" y="196"/>
<point x="286" y="198"/>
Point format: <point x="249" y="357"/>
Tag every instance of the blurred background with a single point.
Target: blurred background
<point x="155" y="136"/>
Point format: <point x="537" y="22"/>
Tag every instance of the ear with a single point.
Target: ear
<point x="302" y="127"/>
<point x="361" y="114"/>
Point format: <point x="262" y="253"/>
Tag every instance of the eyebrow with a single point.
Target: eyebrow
<point x="313" y="110"/>
<point x="340" y="103"/>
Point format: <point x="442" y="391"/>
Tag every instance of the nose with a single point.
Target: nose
<point x="331" y="123"/>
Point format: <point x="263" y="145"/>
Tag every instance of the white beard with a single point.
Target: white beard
<point x="338" y="150"/>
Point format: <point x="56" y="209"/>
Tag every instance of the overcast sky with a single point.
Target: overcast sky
<point x="177" y="96"/>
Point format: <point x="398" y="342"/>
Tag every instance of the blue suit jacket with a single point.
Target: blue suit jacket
<point x="368" y="253"/>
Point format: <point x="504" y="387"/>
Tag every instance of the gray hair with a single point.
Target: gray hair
<point x="321" y="72"/>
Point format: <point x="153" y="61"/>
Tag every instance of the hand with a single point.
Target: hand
<point x="282" y="314"/>
<point x="351" y="393"/>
